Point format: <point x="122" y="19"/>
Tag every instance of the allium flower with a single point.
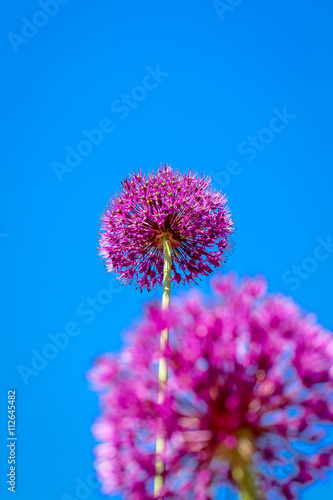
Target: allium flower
<point x="249" y="395"/>
<point x="185" y="207"/>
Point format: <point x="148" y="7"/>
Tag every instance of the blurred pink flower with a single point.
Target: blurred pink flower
<point x="250" y="384"/>
<point x="184" y="206"/>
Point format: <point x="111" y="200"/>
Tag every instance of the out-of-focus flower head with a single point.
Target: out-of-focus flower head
<point x="184" y="206"/>
<point x="250" y="386"/>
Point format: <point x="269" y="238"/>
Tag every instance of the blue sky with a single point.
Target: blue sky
<point x="91" y="90"/>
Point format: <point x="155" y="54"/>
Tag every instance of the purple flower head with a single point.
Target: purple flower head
<point x="185" y="207"/>
<point x="250" y="387"/>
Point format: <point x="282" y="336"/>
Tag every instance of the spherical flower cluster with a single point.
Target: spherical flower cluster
<point x="250" y="386"/>
<point x="185" y="207"/>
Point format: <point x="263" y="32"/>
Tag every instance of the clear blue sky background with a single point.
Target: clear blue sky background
<point x="222" y="79"/>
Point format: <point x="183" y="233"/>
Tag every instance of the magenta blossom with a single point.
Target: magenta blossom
<point x="185" y="207"/>
<point x="250" y="389"/>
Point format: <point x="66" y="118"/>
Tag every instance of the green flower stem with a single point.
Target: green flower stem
<point x="245" y="482"/>
<point x="163" y="369"/>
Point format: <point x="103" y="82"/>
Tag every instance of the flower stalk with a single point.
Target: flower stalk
<point x="163" y="368"/>
<point x="245" y="483"/>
